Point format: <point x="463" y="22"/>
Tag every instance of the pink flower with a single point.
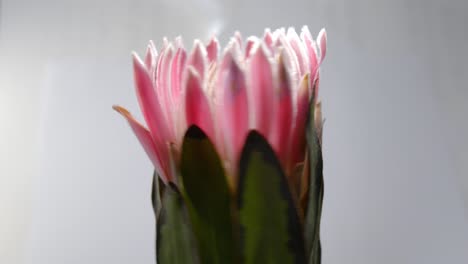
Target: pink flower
<point x="265" y="84"/>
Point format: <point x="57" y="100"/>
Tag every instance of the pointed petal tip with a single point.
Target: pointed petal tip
<point x="135" y="55"/>
<point x="238" y="36"/>
<point x="323" y="31"/>
<point x="213" y="42"/>
<point x="212" y="49"/>
<point x="179" y="42"/>
<point x="279" y="32"/>
<point x="232" y="47"/>
<point x="198" y="57"/>
<point x="137" y="61"/>
<point x="322" y="36"/>
<point x="148" y="48"/>
<point x="260" y="49"/>
<point x="213" y="39"/>
<point x="322" y="42"/>
<point x="291" y="31"/>
<point x="121" y="110"/>
<point x="197" y="44"/>
<point x="126" y="114"/>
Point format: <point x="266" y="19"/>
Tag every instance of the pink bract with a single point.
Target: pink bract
<point x="265" y="84"/>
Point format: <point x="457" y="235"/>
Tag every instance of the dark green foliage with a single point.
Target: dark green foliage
<point x="175" y="243"/>
<point x="270" y="227"/>
<point x="209" y="199"/>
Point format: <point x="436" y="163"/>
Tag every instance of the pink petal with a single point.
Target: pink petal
<point x="277" y="34"/>
<point x="148" y="57"/>
<point x="311" y="52"/>
<point x="178" y="64"/>
<point x="163" y="85"/>
<point x="290" y="59"/>
<point x="299" y="51"/>
<point x="238" y="38"/>
<point x="261" y="90"/>
<point x="150" y="107"/>
<point x="282" y="112"/>
<point x="322" y="42"/>
<point x="165" y="43"/>
<point x="212" y="49"/>
<point x="234" y="110"/>
<point x="233" y="48"/>
<point x="177" y="69"/>
<point x="198" y="58"/>
<point x="197" y="107"/>
<point x="146" y="141"/>
<point x="298" y="135"/>
<point x="251" y="43"/>
<point x="179" y="43"/>
<point x="268" y="38"/>
<point x="151" y="59"/>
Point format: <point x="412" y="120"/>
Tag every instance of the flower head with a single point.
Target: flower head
<point x="264" y="84"/>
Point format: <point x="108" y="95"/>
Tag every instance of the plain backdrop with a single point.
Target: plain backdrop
<point x="75" y="184"/>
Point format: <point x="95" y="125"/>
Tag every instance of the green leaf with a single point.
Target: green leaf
<point x="209" y="200"/>
<point x="175" y="244"/>
<point x="270" y="228"/>
<point x="314" y="208"/>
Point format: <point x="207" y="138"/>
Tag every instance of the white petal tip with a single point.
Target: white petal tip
<point x="322" y="42"/>
<point x="136" y="59"/>
<point x="291" y="31"/>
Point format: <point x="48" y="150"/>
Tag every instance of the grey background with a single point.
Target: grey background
<point x="74" y="183"/>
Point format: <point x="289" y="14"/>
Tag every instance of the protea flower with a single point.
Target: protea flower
<point x="236" y="135"/>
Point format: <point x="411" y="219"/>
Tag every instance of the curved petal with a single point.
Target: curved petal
<point x="268" y="38"/>
<point x="177" y="70"/>
<point x="277" y="33"/>
<point x="299" y="51"/>
<point x="146" y="141"/>
<point x="234" y="112"/>
<point x="163" y="84"/>
<point x="151" y="60"/>
<point x="261" y="87"/>
<point x="282" y="112"/>
<point x="177" y="66"/>
<point x="151" y="108"/>
<point x="311" y="49"/>
<point x="322" y="42"/>
<point x="235" y="50"/>
<point x="149" y="57"/>
<point x="238" y="38"/>
<point x="291" y="59"/>
<point x="198" y="59"/>
<point x="197" y="106"/>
